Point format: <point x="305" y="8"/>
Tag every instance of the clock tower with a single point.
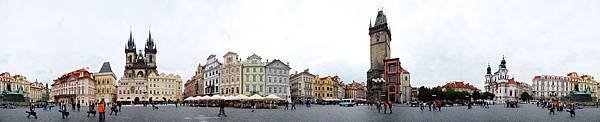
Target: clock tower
<point x="379" y="43"/>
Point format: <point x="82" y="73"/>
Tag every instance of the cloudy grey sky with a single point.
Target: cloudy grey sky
<point x="437" y="41"/>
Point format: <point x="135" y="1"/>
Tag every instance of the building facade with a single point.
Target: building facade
<point x="74" y="87"/>
<point x="106" y="88"/>
<point x="211" y="75"/>
<point x="37" y="91"/>
<point x="460" y="86"/>
<point x="503" y="86"/>
<point x="231" y="73"/>
<point x="190" y="88"/>
<point x="164" y="88"/>
<point x="549" y="87"/>
<point x="339" y="88"/>
<point x="278" y="77"/>
<point x="380" y="38"/>
<point x="301" y="86"/>
<point x="254" y="76"/>
<point x="356" y="91"/>
<point x="133" y="85"/>
<point x="323" y="88"/>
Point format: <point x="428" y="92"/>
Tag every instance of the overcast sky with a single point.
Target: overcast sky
<point x="437" y="41"/>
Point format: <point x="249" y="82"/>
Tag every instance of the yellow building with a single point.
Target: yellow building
<point x="164" y="87"/>
<point x="324" y="88"/>
<point x="37" y="92"/>
<point x="106" y="89"/>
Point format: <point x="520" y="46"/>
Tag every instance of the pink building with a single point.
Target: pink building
<point x="78" y="86"/>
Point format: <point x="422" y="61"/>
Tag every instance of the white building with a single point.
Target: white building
<point x="211" y="75"/>
<point x="503" y="86"/>
<point x="278" y="77"/>
<point x="548" y="87"/>
<point x="301" y="87"/>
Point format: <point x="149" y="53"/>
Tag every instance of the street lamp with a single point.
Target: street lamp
<point x="380" y="82"/>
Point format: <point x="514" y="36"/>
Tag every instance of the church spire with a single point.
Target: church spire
<point x="130" y="43"/>
<point x="150" y="46"/>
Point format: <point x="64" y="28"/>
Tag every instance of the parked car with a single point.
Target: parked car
<point x="347" y="103"/>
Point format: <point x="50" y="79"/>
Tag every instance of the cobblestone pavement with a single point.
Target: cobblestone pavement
<point x="331" y="113"/>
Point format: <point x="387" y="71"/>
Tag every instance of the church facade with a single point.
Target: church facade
<point x="138" y="65"/>
<point x="503" y="86"/>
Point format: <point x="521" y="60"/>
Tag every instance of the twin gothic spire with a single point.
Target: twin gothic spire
<point x="150" y="46"/>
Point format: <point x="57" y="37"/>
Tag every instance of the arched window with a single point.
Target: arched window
<point x="140" y="74"/>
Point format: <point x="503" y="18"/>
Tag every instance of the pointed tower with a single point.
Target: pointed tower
<point x="380" y="38"/>
<point x="130" y="56"/>
<point x="150" y="53"/>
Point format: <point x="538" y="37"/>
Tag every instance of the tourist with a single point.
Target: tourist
<point x="429" y="104"/>
<point x="222" y="109"/>
<point x="101" y="110"/>
<point x="119" y="104"/>
<point x="91" y="110"/>
<point x="422" y="105"/>
<point x="293" y="105"/>
<point x="78" y="106"/>
<point x="63" y="111"/>
<point x="31" y="112"/>
<point x="286" y="105"/>
<point x="385" y="107"/>
<point x="113" y="108"/>
<point x="571" y="109"/>
<point x="389" y="105"/>
<point x="551" y="109"/>
<point x="252" y="105"/>
<point x="378" y="106"/>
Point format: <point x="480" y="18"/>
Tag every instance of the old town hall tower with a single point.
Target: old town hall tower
<point x="380" y="38"/>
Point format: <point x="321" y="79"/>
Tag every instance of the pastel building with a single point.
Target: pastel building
<point x="74" y="87"/>
<point x="254" y="75"/>
<point x="164" y="88"/>
<point x="301" y="86"/>
<point x="278" y="78"/>
<point x="231" y="75"/>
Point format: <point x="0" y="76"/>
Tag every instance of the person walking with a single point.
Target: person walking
<point x="63" y="110"/>
<point x="286" y="105"/>
<point x="113" y="108"/>
<point x="469" y="105"/>
<point x="551" y="109"/>
<point x="73" y="106"/>
<point x="252" y="105"/>
<point x="78" y="106"/>
<point x="571" y="110"/>
<point x="91" y="110"/>
<point x="31" y="111"/>
<point x="385" y="107"/>
<point x="119" y="104"/>
<point x="222" y="108"/>
<point x="389" y="105"/>
<point x="101" y="110"/>
<point x="422" y="105"/>
<point x="378" y="106"/>
<point x="293" y="105"/>
<point x="429" y="104"/>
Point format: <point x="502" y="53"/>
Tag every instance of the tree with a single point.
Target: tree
<point x="488" y="95"/>
<point x="424" y="94"/>
<point x="476" y="95"/>
<point x="525" y="96"/>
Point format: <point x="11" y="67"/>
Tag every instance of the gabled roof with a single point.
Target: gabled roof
<point x="278" y="61"/>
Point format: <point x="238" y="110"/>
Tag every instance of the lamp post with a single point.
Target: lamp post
<point x="380" y="82"/>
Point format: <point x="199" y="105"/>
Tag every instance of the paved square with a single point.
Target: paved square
<point x="332" y="113"/>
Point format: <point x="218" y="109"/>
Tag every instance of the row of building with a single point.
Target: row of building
<point x="18" y="88"/>
<point x="235" y="76"/>
<point x="140" y="83"/>
<point x="551" y="87"/>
